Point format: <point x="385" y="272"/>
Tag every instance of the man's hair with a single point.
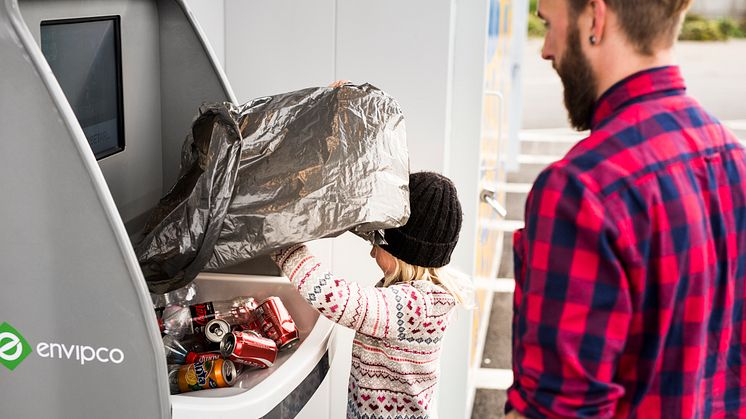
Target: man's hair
<point x="648" y="24"/>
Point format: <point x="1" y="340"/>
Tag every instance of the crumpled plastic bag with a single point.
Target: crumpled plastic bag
<point x="278" y="171"/>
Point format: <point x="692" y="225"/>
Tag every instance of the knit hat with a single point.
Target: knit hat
<point x="430" y="235"/>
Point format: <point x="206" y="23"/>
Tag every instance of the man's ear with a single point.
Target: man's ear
<point x="598" y="23"/>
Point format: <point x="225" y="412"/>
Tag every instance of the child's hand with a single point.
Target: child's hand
<point x="339" y="83"/>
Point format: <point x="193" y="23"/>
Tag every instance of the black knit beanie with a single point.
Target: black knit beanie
<point x="430" y="235"/>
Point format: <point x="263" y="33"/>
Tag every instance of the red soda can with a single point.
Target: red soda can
<point x="272" y="319"/>
<point x="249" y="348"/>
<point x="193" y="357"/>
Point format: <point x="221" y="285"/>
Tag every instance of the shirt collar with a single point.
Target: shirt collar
<point x="634" y="88"/>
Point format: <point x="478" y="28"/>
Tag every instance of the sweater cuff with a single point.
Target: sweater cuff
<point x="279" y="256"/>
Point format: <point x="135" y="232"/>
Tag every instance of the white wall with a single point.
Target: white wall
<point x="463" y="162"/>
<point x="402" y="47"/>
<point x="210" y="15"/>
<point x="278" y="46"/>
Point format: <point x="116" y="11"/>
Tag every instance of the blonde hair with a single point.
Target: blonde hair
<point x="405" y="273"/>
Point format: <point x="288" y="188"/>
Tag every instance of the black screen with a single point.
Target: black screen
<point x="85" y="57"/>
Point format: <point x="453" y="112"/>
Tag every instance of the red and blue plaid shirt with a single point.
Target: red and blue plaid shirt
<point x="630" y="270"/>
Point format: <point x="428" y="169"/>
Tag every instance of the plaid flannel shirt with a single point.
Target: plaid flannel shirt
<point x="630" y="270"/>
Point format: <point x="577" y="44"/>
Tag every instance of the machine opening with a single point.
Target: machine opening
<point x="85" y="57"/>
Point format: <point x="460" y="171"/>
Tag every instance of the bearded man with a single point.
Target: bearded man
<point x="630" y="270"/>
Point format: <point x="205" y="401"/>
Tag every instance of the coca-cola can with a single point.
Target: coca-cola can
<point x="216" y="329"/>
<point x="249" y="348"/>
<point x="272" y="319"/>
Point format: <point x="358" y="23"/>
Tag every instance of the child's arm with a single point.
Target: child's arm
<point x="394" y="312"/>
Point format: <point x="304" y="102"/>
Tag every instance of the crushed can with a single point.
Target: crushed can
<point x="249" y="348"/>
<point x="272" y="319"/>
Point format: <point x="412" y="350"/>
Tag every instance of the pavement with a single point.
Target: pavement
<point x="715" y="73"/>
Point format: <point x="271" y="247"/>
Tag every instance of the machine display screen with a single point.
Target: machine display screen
<point x="85" y="57"/>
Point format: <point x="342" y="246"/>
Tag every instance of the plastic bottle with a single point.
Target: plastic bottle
<point x="178" y="320"/>
<point x="188" y="350"/>
<point x="182" y="296"/>
<point x="173" y="379"/>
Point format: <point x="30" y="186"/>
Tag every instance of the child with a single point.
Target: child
<point x="399" y="323"/>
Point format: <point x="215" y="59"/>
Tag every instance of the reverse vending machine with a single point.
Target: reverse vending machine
<point x="96" y="98"/>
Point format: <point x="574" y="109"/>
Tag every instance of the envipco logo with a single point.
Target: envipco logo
<point x="13" y="347"/>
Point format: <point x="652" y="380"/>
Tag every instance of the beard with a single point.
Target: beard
<point x="579" y="83"/>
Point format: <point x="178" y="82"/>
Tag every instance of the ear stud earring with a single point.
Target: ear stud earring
<point x="593" y="39"/>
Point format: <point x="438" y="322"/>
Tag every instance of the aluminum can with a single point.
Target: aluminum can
<point x="272" y="319"/>
<point x="193" y="357"/>
<point x="216" y="329"/>
<point x="249" y="348"/>
<point x="235" y="312"/>
<point x="206" y="374"/>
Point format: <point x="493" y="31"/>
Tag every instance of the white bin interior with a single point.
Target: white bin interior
<point x="302" y="367"/>
<point x="214" y="287"/>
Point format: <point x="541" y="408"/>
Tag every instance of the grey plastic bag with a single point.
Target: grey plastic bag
<point x="277" y="171"/>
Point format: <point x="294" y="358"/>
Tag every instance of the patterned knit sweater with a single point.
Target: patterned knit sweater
<point x="399" y="332"/>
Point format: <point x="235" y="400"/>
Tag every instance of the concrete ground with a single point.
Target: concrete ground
<point x="715" y="73"/>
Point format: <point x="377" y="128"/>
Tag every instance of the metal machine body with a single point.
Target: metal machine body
<point x="79" y="335"/>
